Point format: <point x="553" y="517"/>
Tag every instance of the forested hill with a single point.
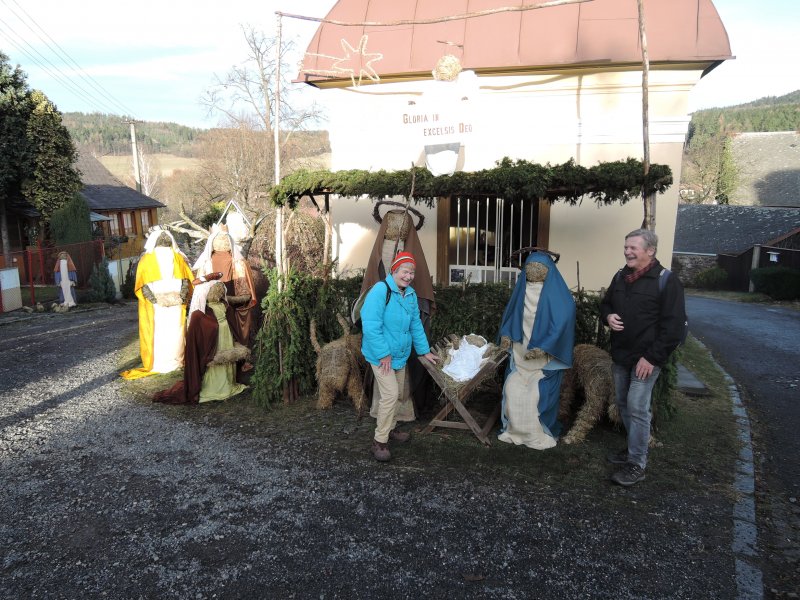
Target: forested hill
<point x="771" y="113"/>
<point x="110" y="134"/>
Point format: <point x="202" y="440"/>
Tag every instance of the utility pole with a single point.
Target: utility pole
<point x="277" y="154"/>
<point x="136" y="176"/>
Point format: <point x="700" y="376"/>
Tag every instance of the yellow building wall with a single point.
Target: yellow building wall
<point x="589" y="116"/>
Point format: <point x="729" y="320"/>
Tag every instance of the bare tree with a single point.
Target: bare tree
<point x="193" y="189"/>
<point x="245" y="98"/>
<point x="236" y="158"/>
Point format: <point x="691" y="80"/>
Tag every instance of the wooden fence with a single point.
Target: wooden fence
<point x="739" y="266"/>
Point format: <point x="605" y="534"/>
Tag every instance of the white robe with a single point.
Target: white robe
<point x="168" y="339"/>
<point x="521" y="389"/>
<point x="66" y="283"/>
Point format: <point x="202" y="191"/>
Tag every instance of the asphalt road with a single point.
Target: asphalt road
<point x="758" y="346"/>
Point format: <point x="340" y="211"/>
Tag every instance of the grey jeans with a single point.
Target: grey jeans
<point x="634" y="396"/>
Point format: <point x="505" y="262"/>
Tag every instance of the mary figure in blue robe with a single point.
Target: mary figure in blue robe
<point x="539" y="325"/>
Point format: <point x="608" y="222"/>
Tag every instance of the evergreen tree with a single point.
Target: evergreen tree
<point x="52" y="180"/>
<point x="15" y="108"/>
<point x="101" y="285"/>
<point x="70" y="224"/>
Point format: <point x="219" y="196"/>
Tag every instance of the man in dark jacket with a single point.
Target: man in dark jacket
<point x="647" y="318"/>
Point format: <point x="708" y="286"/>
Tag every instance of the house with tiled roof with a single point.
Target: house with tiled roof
<point x="126" y="214"/>
<point x="705" y="232"/>
<point x="455" y="85"/>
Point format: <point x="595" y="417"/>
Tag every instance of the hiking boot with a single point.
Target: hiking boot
<point x="399" y="436"/>
<point x="381" y="451"/>
<point x="618" y="458"/>
<point x="628" y="475"/>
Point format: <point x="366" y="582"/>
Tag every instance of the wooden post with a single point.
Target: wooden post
<point x="30" y="277"/>
<point x="754" y="265"/>
<point x="648" y="200"/>
<point x="42" y="274"/>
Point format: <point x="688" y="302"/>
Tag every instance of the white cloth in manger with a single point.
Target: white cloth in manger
<point x="466" y="361"/>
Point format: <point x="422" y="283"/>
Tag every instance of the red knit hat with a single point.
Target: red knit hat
<point x="402" y="257"/>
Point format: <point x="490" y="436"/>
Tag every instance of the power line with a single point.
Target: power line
<point x="65" y="55"/>
<point x="54" y="72"/>
<point x="67" y="80"/>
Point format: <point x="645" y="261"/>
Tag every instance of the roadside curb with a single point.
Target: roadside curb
<point x="749" y="578"/>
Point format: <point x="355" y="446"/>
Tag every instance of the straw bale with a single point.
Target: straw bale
<point x="591" y="374"/>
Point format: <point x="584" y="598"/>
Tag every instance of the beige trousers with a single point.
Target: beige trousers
<point x="391" y="388"/>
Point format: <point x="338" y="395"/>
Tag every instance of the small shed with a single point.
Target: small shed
<point x="708" y="235"/>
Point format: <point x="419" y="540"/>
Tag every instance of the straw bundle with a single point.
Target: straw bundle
<point x="447" y="68"/>
<point x="397" y="225"/>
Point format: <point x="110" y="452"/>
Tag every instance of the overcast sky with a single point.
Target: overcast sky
<point x="152" y="59"/>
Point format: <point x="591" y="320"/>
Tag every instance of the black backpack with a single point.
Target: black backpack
<point x="662" y="282"/>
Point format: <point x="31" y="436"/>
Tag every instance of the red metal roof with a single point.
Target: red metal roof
<point x="586" y="34"/>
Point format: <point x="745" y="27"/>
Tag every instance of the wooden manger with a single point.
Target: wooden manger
<point x="457" y="393"/>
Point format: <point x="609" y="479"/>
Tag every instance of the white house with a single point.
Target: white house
<point x="546" y="85"/>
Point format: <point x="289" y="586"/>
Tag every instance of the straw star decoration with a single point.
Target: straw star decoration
<point x="356" y="61"/>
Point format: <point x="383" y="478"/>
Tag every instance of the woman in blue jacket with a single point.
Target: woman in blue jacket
<point x="390" y="324"/>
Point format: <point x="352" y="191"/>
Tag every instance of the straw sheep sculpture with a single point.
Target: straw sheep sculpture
<point x="591" y="373"/>
<point x="340" y="365"/>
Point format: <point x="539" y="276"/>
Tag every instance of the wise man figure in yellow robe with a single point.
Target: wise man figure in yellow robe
<point x="163" y="287"/>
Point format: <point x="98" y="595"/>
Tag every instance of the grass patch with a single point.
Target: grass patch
<point x="747" y="297"/>
<point x="697" y="445"/>
<point x="44" y="294"/>
<point x="700" y="440"/>
<point x="729" y="295"/>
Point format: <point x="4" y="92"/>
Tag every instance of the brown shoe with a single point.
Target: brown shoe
<point x="399" y="436"/>
<point x="381" y="451"/>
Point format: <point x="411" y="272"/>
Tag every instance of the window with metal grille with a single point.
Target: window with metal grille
<point x="483" y="233"/>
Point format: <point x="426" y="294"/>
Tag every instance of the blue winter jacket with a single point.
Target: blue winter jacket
<point x="391" y="328"/>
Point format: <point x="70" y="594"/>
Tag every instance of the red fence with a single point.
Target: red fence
<point x="36" y="264"/>
<point x="85" y="255"/>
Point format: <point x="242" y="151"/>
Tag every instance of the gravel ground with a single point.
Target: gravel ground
<point x="107" y="495"/>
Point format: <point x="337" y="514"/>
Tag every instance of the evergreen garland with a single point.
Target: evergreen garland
<point x="604" y="183"/>
<point x="460" y="309"/>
